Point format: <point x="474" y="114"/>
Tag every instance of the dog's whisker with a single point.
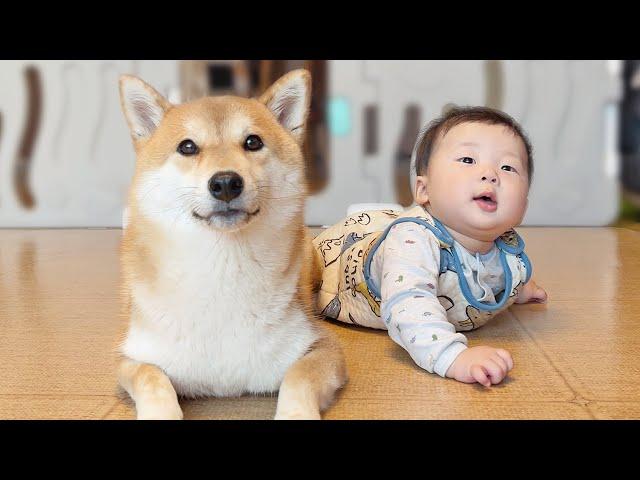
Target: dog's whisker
<point x="155" y="186"/>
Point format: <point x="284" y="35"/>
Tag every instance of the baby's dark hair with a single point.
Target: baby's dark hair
<point x="457" y="115"/>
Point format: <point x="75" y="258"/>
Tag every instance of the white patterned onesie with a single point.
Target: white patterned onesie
<point x="404" y="278"/>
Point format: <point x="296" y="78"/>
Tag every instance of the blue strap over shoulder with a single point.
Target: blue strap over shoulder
<point x="441" y="235"/>
<point x="508" y="243"/>
<point x="464" y="286"/>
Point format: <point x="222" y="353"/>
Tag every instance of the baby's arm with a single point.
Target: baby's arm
<point x="414" y="317"/>
<point x="417" y="321"/>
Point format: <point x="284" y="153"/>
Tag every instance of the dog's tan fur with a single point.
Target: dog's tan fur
<point x="158" y="264"/>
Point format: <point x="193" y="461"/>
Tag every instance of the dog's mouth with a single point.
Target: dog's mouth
<point x="228" y="217"/>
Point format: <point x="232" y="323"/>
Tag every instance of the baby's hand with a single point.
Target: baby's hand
<point x="531" y="292"/>
<point x="485" y="365"/>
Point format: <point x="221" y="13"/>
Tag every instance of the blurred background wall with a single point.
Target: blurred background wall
<point x="66" y="158"/>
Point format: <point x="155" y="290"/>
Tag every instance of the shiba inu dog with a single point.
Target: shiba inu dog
<point x="217" y="264"/>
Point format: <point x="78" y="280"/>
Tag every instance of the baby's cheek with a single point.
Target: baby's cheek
<point x="518" y="208"/>
<point x="516" y="202"/>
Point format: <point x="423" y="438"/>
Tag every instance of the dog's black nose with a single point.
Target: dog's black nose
<point x="226" y="186"/>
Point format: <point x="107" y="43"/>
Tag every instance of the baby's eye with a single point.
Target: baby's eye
<point x="467" y="160"/>
<point x="509" y="168"/>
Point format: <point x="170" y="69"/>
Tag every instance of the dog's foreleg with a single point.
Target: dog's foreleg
<point x="310" y="384"/>
<point x="151" y="390"/>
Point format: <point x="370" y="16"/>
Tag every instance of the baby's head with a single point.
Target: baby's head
<point x="473" y="171"/>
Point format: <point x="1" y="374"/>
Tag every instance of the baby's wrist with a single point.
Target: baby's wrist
<point x="452" y="370"/>
<point x="447" y="359"/>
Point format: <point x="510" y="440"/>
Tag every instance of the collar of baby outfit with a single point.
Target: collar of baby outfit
<point x="508" y="243"/>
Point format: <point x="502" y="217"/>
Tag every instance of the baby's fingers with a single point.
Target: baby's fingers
<point x="496" y="371"/>
<point x="506" y="356"/>
<point x="480" y="375"/>
<point x="501" y="362"/>
<point x="541" y="295"/>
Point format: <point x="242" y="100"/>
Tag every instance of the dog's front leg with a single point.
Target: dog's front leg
<point x="310" y="384"/>
<point x="151" y="390"/>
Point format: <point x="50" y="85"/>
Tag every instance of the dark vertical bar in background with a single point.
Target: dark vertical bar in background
<point x="630" y="127"/>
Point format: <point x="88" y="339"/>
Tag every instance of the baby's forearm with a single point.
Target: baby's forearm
<point x="430" y="339"/>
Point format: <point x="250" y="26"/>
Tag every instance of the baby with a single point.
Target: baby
<point x="448" y="264"/>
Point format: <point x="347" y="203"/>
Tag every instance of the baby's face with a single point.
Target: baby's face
<point x="477" y="180"/>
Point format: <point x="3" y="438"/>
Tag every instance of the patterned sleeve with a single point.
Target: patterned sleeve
<point x="410" y="308"/>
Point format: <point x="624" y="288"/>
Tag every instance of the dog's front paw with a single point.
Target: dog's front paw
<point x="297" y="414"/>
<point x="159" y="411"/>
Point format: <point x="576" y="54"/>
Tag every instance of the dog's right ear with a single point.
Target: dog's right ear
<point x="289" y="99"/>
<point x="143" y="106"/>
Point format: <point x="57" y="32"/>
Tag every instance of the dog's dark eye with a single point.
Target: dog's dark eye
<point x="187" y="147"/>
<point x="253" y="143"/>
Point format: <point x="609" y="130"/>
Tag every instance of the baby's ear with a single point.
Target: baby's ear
<point x="421" y="190"/>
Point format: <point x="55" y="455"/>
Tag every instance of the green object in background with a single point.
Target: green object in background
<point x="339" y="116"/>
<point x="628" y="211"/>
<point x="629" y="215"/>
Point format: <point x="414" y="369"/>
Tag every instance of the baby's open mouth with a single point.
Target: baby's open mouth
<point x="486" y="201"/>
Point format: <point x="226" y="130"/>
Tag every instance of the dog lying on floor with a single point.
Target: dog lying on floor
<point x="217" y="263"/>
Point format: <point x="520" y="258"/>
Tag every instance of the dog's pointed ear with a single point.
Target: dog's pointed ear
<point x="143" y="106"/>
<point x="289" y="99"/>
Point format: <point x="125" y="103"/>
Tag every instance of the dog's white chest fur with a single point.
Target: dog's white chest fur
<point x="220" y="320"/>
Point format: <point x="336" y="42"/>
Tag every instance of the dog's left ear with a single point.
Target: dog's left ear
<point x="289" y="99"/>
